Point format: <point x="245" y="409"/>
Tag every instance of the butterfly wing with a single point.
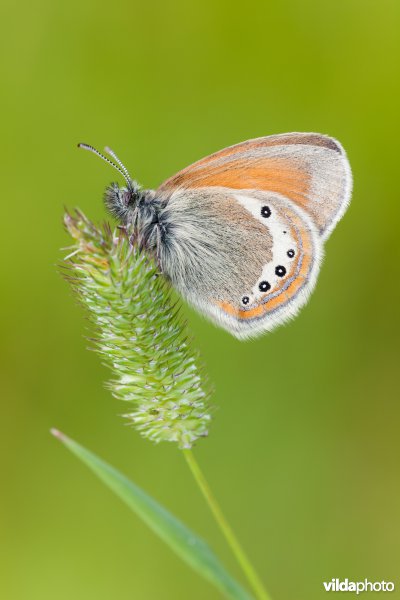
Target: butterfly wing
<point x="247" y="224"/>
<point x="246" y="259"/>
<point x="310" y="169"/>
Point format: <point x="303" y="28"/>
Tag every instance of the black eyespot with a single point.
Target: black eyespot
<point x="245" y="299"/>
<point x="280" y="271"/>
<point x="290" y="253"/>
<point x="285" y="232"/>
<point x="266" y="212"/>
<point x="264" y="286"/>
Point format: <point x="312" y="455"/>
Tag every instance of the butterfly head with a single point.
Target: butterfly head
<point x="121" y="202"/>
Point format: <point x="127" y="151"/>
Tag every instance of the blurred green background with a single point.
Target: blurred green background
<point x="304" y="450"/>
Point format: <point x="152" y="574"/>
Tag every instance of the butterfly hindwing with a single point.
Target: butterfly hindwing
<point x="246" y="259"/>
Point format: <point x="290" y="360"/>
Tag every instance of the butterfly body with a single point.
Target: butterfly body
<point x="240" y="233"/>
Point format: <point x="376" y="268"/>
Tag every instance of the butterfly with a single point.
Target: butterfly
<point x="240" y="234"/>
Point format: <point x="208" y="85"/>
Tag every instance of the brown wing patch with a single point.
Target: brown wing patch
<point x="283" y="176"/>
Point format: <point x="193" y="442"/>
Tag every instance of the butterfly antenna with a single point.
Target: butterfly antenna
<point x="117" y="160"/>
<point x="123" y="171"/>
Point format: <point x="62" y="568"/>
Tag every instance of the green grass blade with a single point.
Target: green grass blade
<point x="192" y="549"/>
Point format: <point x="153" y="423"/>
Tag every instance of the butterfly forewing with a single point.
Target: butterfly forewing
<point x="310" y="169"/>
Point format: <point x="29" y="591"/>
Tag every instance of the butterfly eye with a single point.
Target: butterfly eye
<point x="265" y="212"/>
<point x="264" y="286"/>
<point x="290" y="253"/>
<point x="280" y="271"/>
<point x="245" y="300"/>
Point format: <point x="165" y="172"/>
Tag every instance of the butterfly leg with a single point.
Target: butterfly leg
<point x="158" y="246"/>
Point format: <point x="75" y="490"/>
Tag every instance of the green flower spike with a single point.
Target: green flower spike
<point x="139" y="333"/>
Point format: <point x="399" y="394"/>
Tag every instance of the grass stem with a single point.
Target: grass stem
<point x="233" y="542"/>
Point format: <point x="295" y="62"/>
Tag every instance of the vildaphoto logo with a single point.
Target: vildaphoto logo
<point x="335" y="585"/>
